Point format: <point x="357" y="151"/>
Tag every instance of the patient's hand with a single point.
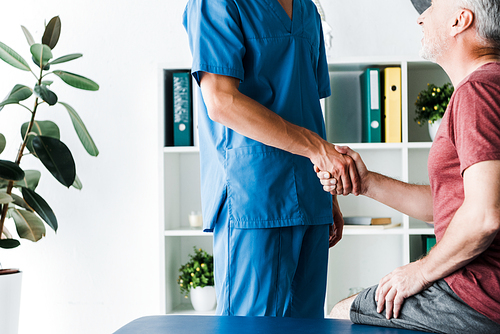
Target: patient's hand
<point x="330" y="183"/>
<point x="395" y="287"/>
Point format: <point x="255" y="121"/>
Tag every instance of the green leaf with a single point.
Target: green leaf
<point x="28" y="36"/>
<point x="28" y="225"/>
<point x="77" y="81"/>
<point x="30" y="180"/>
<point x="77" y="184"/>
<point x="40" y="206"/>
<point x="3" y="142"/>
<point x="19" y="201"/>
<point x="41" y="54"/>
<point x="81" y="131"/>
<point x="47" y="83"/>
<point x="57" y="158"/>
<point x="66" y="58"/>
<point x="10" y="171"/>
<point x="11" y="57"/>
<point x="41" y="128"/>
<point x="52" y="32"/>
<point x="9" y="243"/>
<point x="5" y="198"/>
<point x="46" y="94"/>
<point x="45" y="68"/>
<point x="17" y="94"/>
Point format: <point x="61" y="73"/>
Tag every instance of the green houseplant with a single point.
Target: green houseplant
<point x="197" y="272"/>
<point x="197" y="279"/>
<point x="39" y="138"/>
<point x="432" y="103"/>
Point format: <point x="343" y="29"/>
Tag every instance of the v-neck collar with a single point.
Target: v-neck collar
<point x="282" y="15"/>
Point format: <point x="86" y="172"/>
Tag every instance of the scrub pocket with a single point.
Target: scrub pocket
<point x="262" y="189"/>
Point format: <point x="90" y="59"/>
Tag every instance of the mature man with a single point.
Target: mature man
<point x="262" y="69"/>
<point x="456" y="287"/>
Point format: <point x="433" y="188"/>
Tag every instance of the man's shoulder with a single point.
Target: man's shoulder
<point x="486" y="74"/>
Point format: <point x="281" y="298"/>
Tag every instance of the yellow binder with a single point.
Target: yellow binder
<point x="392" y="104"/>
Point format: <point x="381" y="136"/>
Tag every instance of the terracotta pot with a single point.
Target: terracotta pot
<point x="10" y="300"/>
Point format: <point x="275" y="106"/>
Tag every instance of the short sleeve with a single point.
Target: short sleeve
<point x="476" y="124"/>
<point x="215" y="37"/>
<point x="323" y="74"/>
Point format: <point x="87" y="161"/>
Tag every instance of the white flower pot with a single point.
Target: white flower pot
<point x="203" y="299"/>
<point x="433" y="128"/>
<point x="10" y="302"/>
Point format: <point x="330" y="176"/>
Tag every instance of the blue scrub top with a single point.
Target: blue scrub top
<point x="281" y="63"/>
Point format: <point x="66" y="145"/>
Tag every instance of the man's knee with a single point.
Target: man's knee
<point x="342" y="309"/>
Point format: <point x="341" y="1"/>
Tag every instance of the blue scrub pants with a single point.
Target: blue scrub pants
<point x="278" y="272"/>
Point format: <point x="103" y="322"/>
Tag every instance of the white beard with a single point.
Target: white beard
<point x="433" y="49"/>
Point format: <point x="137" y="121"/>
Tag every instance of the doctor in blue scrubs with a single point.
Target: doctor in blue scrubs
<point x="262" y="70"/>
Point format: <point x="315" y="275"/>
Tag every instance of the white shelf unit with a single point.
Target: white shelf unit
<point x="364" y="255"/>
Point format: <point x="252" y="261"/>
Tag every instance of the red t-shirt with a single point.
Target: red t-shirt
<point x="469" y="133"/>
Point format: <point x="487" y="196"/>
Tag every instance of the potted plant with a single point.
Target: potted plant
<point x="431" y="104"/>
<point x="40" y="139"/>
<point x="197" y="279"/>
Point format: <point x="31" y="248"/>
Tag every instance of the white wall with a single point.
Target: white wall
<point x="101" y="270"/>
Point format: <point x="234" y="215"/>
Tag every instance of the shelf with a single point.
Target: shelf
<point x="187" y="309"/>
<point x="187" y="232"/>
<point x="354" y="146"/>
<point x="181" y="149"/>
<point x="419" y="145"/>
<point x="421" y="231"/>
<point x="371" y="230"/>
<point x="348" y="230"/>
<point x="387" y="146"/>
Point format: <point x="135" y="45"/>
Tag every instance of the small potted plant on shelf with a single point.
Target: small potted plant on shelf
<point x="197" y="279"/>
<point x="40" y="139"/>
<point x="431" y="104"/>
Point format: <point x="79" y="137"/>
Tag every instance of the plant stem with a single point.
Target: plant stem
<point x="5" y="207"/>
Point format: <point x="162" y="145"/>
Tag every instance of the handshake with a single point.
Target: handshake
<point x="342" y="171"/>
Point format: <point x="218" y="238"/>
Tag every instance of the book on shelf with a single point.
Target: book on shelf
<point x="371" y="110"/>
<point x="365" y="220"/>
<point x="392" y="104"/>
<point x="178" y="108"/>
<point x="429" y="242"/>
<point x="343" y="108"/>
<point x="183" y="113"/>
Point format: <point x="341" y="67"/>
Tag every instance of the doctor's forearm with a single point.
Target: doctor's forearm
<point x="227" y="106"/>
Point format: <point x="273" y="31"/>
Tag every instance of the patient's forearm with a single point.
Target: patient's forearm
<point x="411" y="199"/>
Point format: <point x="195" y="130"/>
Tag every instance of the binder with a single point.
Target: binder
<point x="371" y="113"/>
<point x="182" y="109"/>
<point x="168" y="108"/>
<point x="343" y="108"/>
<point x="392" y="104"/>
<point x="429" y="242"/>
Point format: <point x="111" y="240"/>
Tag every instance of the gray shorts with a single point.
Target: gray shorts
<point x="437" y="309"/>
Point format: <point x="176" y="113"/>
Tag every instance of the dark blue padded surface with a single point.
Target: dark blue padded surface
<point x="180" y="324"/>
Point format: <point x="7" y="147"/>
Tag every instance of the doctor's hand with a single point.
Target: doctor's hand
<point x="394" y="288"/>
<point x="341" y="167"/>
<point x="337" y="229"/>
<point x="330" y="183"/>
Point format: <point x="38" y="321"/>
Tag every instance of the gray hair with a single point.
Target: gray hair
<point x="487" y="20"/>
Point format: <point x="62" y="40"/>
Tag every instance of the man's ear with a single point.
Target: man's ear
<point x="462" y="21"/>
